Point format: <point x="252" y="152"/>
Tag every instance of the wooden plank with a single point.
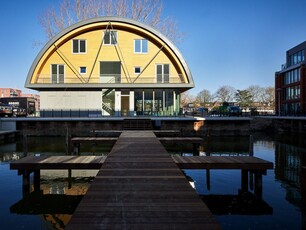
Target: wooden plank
<point x="58" y="162"/>
<point x="181" y="139"/>
<point x="92" y="139"/>
<point x="184" y="162"/>
<point x="141" y="191"/>
<point x="222" y="162"/>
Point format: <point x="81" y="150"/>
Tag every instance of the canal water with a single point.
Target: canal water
<point x="280" y="207"/>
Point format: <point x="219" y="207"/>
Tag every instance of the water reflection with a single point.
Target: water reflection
<point x="279" y="208"/>
<point x="244" y="203"/>
<point x="55" y="201"/>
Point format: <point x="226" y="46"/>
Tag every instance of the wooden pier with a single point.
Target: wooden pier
<point x="140" y="186"/>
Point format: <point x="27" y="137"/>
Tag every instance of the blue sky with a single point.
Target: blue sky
<point x="237" y="43"/>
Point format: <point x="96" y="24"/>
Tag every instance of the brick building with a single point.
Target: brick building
<point x="10" y="92"/>
<point x="290" y="83"/>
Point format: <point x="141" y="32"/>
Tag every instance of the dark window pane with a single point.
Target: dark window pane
<point x="82" y="46"/>
<point x="61" y="73"/>
<point x="159" y="73"/>
<point x="106" y="38"/>
<point x="75" y="46"/>
<point x="114" y="37"/>
<point x="166" y="73"/>
<point x="82" y="69"/>
<point x="137" y="70"/>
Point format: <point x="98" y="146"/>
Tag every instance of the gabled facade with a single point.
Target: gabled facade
<point x="290" y="83"/>
<point x="110" y="66"/>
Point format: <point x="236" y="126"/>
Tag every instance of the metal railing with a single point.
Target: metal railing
<point x="110" y="79"/>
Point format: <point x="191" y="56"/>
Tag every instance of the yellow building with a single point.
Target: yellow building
<point x="109" y="66"/>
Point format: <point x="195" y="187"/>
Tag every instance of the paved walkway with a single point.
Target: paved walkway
<point x="140" y="187"/>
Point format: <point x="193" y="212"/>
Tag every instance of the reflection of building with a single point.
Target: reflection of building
<point x="288" y="162"/>
<point x="290" y="83"/>
<point x="110" y="66"/>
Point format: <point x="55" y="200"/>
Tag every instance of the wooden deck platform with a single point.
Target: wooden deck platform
<point x="33" y="163"/>
<point x="222" y="162"/>
<point x="140" y="187"/>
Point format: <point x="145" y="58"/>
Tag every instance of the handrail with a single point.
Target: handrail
<point x="111" y="79"/>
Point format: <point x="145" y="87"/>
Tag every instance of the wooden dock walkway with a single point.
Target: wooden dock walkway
<point x="140" y="187"/>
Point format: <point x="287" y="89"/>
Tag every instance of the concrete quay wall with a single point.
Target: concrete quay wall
<point x="189" y="126"/>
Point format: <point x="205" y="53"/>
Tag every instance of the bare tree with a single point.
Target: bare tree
<point x="186" y="98"/>
<point x="203" y="98"/>
<point x="256" y="92"/>
<point x="269" y="97"/>
<point x="53" y="20"/>
<point x="225" y="93"/>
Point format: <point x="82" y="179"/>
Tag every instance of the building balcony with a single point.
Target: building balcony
<point x="110" y="79"/>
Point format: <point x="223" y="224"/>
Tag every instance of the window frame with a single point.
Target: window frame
<point x="81" y="69"/>
<point x="58" y="80"/>
<point x="135" y="67"/>
<point x="141" y="46"/>
<point x="110" y="37"/>
<point x="79" y="46"/>
<point x="162" y="81"/>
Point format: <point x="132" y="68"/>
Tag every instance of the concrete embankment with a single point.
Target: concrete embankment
<point x="187" y="126"/>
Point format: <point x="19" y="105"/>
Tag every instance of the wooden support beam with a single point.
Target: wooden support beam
<point x="208" y="179"/>
<point x="244" y="180"/>
<point x="37" y="180"/>
<point x="258" y="184"/>
<point x="25" y="182"/>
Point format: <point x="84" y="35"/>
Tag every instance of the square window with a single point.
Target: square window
<point x="78" y="46"/>
<point x="137" y="70"/>
<point x="141" y="46"/>
<point x="110" y="37"/>
<point x="82" y="69"/>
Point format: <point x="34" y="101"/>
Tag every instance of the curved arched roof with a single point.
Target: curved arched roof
<point x="92" y="22"/>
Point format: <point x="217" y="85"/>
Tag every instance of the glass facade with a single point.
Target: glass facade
<point x="292" y="76"/>
<point x="108" y="102"/>
<point x="296" y="58"/>
<point x="157" y="102"/>
<point x="148" y="102"/>
<point x="292" y="108"/>
<point x="292" y="92"/>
